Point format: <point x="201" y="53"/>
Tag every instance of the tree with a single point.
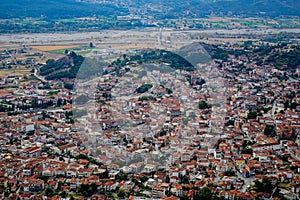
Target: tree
<point x="144" y="179"/>
<point x="169" y="91"/>
<point x="184" y="197"/>
<point x="83" y="188"/>
<point x="63" y="194"/>
<point x="185" y="179"/>
<point x="203" y="105"/>
<point x="144" y="88"/>
<point x="49" y="192"/>
<point x="69" y="86"/>
<point x="252" y="115"/>
<point x="6" y="194"/>
<point x="230" y="173"/>
<point x="60" y="183"/>
<point x="205" y="194"/>
<point x="247" y="151"/>
<point x="167" y="179"/>
<point x="121" y="194"/>
<point x="230" y="123"/>
<point x="269" y="130"/>
<point x="59" y="102"/>
<point x="263" y="185"/>
<point x="91" y="45"/>
<point x="122" y="177"/>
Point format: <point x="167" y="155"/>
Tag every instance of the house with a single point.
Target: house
<point x="60" y="171"/>
<point x="36" y="185"/>
<point x="23" y="127"/>
<point x="71" y="172"/>
<point x="158" y="191"/>
<point x="218" y="154"/>
<point x="98" y="197"/>
<point x="110" y="186"/>
<point x="27" y="171"/>
<point x="25" y="196"/>
<point x="66" y="148"/>
<point x="177" y="190"/>
<point x="84" y="172"/>
<point x="245" y="173"/>
<point x="150" y="168"/>
<point x="185" y="157"/>
<point x="269" y="146"/>
<point x="25" y="187"/>
<point x="32" y="152"/>
<point x="240" y="162"/>
<point x="174" y="179"/>
<point x="74" y="183"/>
<point x="262" y="157"/>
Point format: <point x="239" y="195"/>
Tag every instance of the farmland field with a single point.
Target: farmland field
<point x="51" y="48"/>
<point x="15" y="72"/>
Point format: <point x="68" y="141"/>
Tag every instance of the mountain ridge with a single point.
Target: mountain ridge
<point x="158" y="8"/>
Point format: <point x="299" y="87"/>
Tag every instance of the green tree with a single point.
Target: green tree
<point x="185" y="179"/>
<point x="269" y="130"/>
<point x="205" y="194"/>
<point x="252" y="115"/>
<point x="247" y="151"/>
<point x="60" y="183"/>
<point x="59" y="102"/>
<point x="63" y="194"/>
<point x="69" y="86"/>
<point x="121" y="194"/>
<point x="122" y="177"/>
<point x="230" y="123"/>
<point x="144" y="88"/>
<point x="49" y="192"/>
<point x="167" y="179"/>
<point x="87" y="190"/>
<point x="184" y="197"/>
<point x="263" y="185"/>
<point x="203" y="105"/>
<point x="6" y="194"/>
<point x="144" y="179"/>
<point x="91" y="45"/>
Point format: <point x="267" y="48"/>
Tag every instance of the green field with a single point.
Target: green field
<point x="79" y="50"/>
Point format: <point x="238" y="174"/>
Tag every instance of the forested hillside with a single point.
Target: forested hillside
<point x="167" y="9"/>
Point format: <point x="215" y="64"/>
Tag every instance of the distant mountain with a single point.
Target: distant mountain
<point x="271" y="8"/>
<point x="56" y="9"/>
<point x="160" y="9"/>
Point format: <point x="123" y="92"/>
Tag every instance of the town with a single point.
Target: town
<point x="151" y="123"/>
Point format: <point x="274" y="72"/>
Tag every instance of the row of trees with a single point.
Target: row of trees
<point x="10" y="107"/>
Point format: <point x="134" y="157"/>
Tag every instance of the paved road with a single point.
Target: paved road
<point x="247" y="181"/>
<point x="274" y="108"/>
<point x="38" y="76"/>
